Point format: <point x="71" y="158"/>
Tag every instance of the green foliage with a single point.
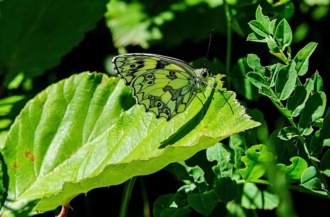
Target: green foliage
<point x="143" y="22"/>
<point x="24" y="40"/>
<point x="241" y="167"/>
<point x="302" y="104"/>
<point x="255" y="158"/>
<point x="61" y="138"/>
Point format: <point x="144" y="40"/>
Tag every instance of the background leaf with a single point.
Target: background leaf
<point x="285" y="81"/>
<point x="314" y="109"/>
<point x="25" y="40"/>
<point x="318" y="82"/>
<point x="313" y="181"/>
<point x="241" y="82"/>
<point x="302" y="58"/>
<point x="283" y="34"/>
<point x="325" y="163"/>
<point x="171" y="205"/>
<point x="225" y="189"/>
<point x="4" y="181"/>
<point x="297" y="102"/>
<point x="140" y="23"/>
<point x="254" y="198"/>
<point x="256" y="158"/>
<point x="203" y="203"/>
<point x="220" y="154"/>
<point x="287" y="133"/>
<point x="296" y="169"/>
<point x="321" y="139"/>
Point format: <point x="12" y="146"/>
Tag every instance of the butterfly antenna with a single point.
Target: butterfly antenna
<point x="209" y="47"/>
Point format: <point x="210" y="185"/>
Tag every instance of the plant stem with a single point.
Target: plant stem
<point x="64" y="211"/>
<point x="278" y="104"/>
<point x="126" y="196"/>
<point x="229" y="43"/>
<point x="146" y="206"/>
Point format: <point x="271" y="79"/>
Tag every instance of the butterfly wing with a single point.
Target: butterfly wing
<point x="163" y="85"/>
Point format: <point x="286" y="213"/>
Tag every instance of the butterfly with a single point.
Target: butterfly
<point x="163" y="85"/>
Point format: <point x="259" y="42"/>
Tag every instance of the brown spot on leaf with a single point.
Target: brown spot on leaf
<point x="29" y="156"/>
<point x="15" y="164"/>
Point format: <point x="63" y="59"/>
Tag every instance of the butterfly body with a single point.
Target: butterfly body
<point x="163" y="85"/>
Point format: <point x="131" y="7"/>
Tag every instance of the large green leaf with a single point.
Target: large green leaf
<point x="36" y="34"/>
<point x="80" y="134"/>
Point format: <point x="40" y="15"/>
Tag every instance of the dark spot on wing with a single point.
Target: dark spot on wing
<point x="167" y="88"/>
<point x="137" y="65"/>
<point x="161" y="64"/>
<point x="150" y="76"/>
<point x="171" y="75"/>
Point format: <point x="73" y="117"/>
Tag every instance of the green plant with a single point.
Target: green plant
<point x="303" y="104"/>
<point x="295" y="157"/>
<point x="83" y="133"/>
<point x="63" y="134"/>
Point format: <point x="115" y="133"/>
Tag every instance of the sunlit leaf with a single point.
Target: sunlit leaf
<point x="302" y="58"/>
<point x="80" y="134"/>
<point x="285" y="81"/>
<point x="283" y="34"/>
<point x="262" y="19"/>
<point x="256" y="158"/>
<point x="258" y="28"/>
<point x="318" y="82"/>
<point x="295" y="170"/>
